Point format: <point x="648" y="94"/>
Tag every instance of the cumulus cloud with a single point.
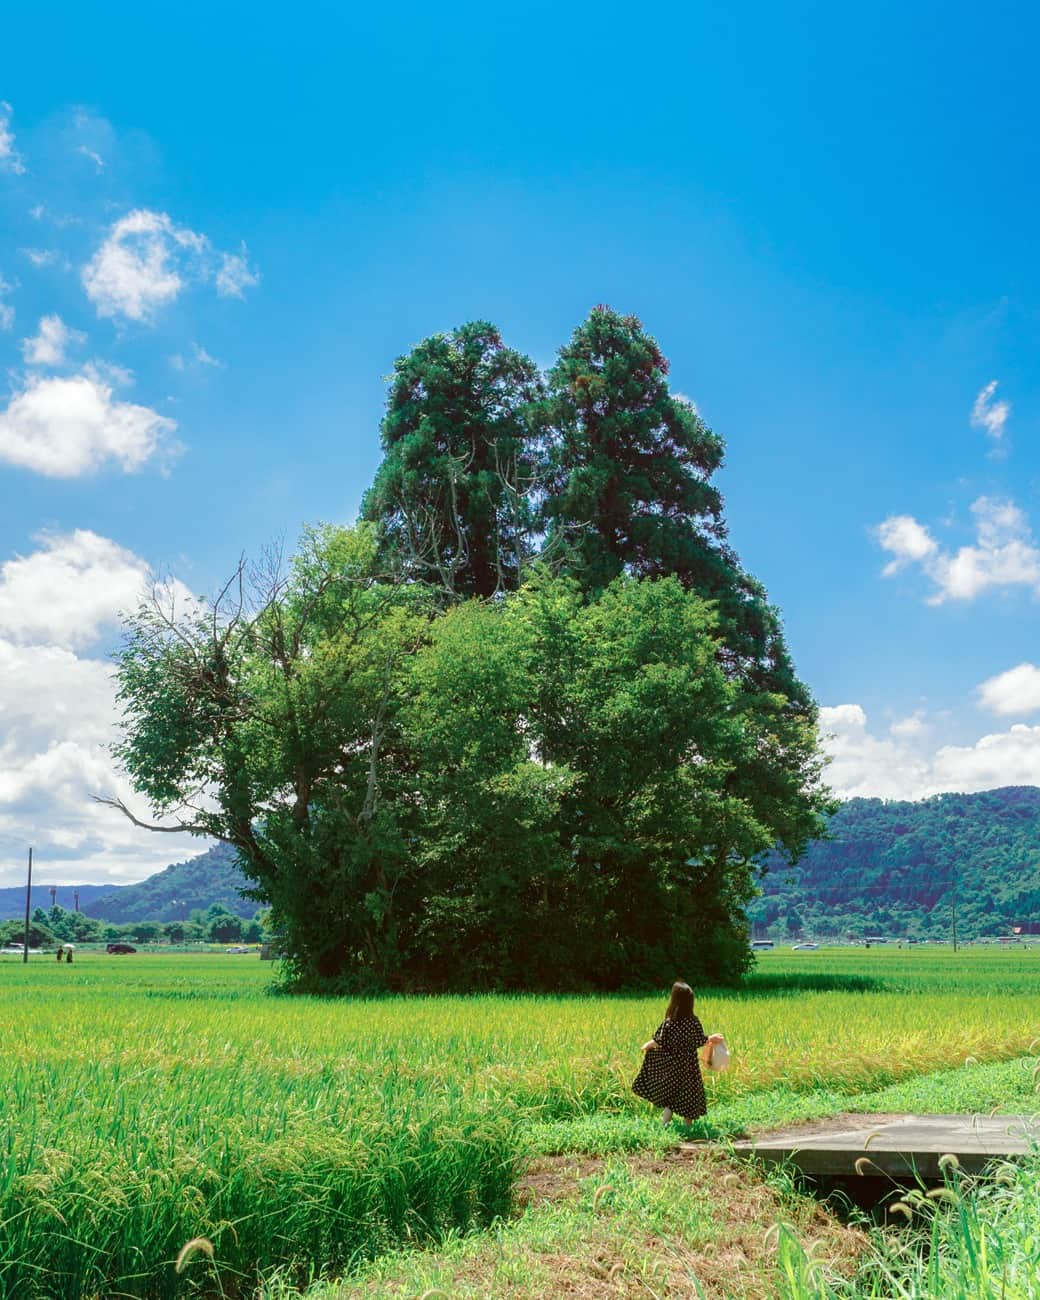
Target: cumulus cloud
<point x="904" y="767"/>
<point x="69" y="426"/>
<point x="862" y="764"/>
<point x="146" y="261"/>
<point x="907" y="540"/>
<point x="135" y="271"/>
<point x="59" y="713"/>
<point x="910" y="728"/>
<point x="1014" y="691"/>
<point x="988" y="414"/>
<point x="51" y="340"/>
<point x="70" y="590"/>
<point x="1004" y="554"/>
<point x="58" y="717"/>
<point x="10" y="159"/>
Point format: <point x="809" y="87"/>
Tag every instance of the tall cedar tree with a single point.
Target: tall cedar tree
<point x="629" y="486"/>
<point x="629" y="490"/>
<point x="454" y="494"/>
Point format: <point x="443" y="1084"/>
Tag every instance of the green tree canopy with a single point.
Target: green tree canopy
<point x="454" y="494"/>
<point x="562" y="774"/>
<point x="630" y="465"/>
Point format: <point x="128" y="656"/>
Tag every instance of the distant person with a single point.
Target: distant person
<point x="68" y="955"/>
<point x="61" y="952"/>
<point x="671" y="1073"/>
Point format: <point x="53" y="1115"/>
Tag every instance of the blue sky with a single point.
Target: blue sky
<point x="218" y="230"/>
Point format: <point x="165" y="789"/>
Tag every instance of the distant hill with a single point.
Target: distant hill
<point x="12" y="900"/>
<point x="169" y="895"/>
<point x="898" y="868"/>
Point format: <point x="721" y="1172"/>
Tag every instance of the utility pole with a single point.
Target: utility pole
<point x="28" y="896"/>
<point x="953" y="911"/>
<point x="75" y="900"/>
<point x="53" y="892"/>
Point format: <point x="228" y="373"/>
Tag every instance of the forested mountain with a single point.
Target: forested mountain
<point x="171" y="894"/>
<point x="902" y="869"/>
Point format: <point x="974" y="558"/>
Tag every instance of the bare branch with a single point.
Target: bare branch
<point x="192" y="828"/>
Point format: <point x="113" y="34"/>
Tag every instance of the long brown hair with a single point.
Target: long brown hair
<point x="680" y="1005"/>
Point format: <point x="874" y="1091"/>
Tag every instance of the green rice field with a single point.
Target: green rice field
<point x="151" y="1100"/>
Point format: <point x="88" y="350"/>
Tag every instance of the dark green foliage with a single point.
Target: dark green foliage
<point x="13" y="933"/>
<point x="574" y="756"/>
<point x="629" y="486"/>
<point x="899" y="868"/>
<point x="454" y="493"/>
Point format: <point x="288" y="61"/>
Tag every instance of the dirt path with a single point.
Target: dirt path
<point x="690" y="1223"/>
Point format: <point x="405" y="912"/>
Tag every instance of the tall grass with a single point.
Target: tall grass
<point x="974" y="1239"/>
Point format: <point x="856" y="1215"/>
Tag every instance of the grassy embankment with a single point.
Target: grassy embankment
<point x="150" y="1100"/>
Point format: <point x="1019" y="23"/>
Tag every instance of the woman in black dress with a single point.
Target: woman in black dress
<point x="671" y="1073"/>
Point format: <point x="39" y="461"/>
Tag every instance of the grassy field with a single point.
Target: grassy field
<point x="150" y="1100"/>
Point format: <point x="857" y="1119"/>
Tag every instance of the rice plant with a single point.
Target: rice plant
<point x="154" y="1101"/>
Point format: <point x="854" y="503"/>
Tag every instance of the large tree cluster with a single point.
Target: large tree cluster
<point x="527" y="724"/>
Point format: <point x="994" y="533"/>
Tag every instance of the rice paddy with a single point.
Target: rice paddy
<point x="152" y="1100"/>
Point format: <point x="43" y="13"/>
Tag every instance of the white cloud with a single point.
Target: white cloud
<point x="134" y="272"/>
<point x="910" y="728"/>
<point x="909" y="541"/>
<point x="903" y="767"/>
<point x="65" y="427"/>
<point x="58" y="717"/>
<point x="107" y="372"/>
<point x="6" y="310"/>
<point x="1014" y="691"/>
<point x="146" y="261"/>
<point x="1004" y="554"/>
<point x="59" y="713"/>
<point x="235" y="275"/>
<point x="988" y="414"/>
<point x="48" y="347"/>
<point x="10" y="159"/>
<point x="70" y="590"/>
<point x="1010" y="757"/>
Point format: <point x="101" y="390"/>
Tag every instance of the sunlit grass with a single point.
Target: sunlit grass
<point x="149" y="1100"/>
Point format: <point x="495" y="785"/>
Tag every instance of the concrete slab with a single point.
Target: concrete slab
<point x="896" y="1145"/>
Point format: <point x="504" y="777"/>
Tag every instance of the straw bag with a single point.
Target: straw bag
<point x="719" y="1058"/>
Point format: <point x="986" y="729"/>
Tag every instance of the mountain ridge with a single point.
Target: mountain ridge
<point x="911" y="869"/>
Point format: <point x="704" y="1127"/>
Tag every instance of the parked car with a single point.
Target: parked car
<point x="805" y="947"/>
<point x="117" y="949"/>
<point x="237" y="950"/>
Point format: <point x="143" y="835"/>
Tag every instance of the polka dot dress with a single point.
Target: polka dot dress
<point x="671" y="1073"/>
